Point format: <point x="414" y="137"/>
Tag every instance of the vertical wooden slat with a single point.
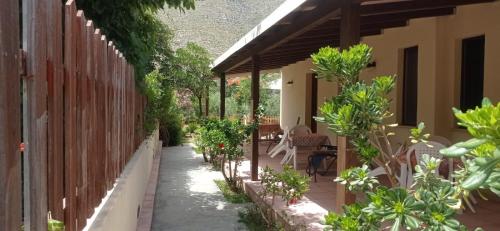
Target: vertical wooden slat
<point x="110" y="127"/>
<point x="10" y="114"/>
<point x="35" y="44"/>
<point x="91" y="137"/>
<point x="100" y="150"/>
<point x="133" y="109"/>
<point x="89" y="32"/>
<point x="86" y="204"/>
<point x="104" y="119"/>
<point x="116" y="116"/>
<point x="81" y="65"/>
<point x="55" y="77"/>
<point x="70" y="102"/>
<point x="120" y="113"/>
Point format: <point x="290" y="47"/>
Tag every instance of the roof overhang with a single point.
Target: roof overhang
<point x="300" y="27"/>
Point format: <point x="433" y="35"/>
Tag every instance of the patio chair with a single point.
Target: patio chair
<point x="300" y="130"/>
<point x="283" y="143"/>
<point x="291" y="151"/>
<point x="328" y="153"/>
<point x="403" y="170"/>
<point x="281" y="146"/>
<point x="432" y="149"/>
<point x="442" y="140"/>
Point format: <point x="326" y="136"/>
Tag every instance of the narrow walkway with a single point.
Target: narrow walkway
<point x="187" y="197"/>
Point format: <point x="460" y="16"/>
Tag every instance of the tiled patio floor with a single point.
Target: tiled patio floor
<point x="321" y="198"/>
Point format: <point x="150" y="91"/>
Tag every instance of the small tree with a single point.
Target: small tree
<point x="235" y="133"/>
<point x="360" y="110"/>
<point x="191" y="71"/>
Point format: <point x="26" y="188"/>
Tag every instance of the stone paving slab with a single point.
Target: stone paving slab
<point x="187" y="197"/>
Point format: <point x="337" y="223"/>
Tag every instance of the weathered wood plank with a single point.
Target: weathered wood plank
<point x="70" y="100"/>
<point x="109" y="115"/>
<point x="35" y="44"/>
<point x="10" y="114"/>
<point x="55" y="78"/>
<point x="81" y="124"/>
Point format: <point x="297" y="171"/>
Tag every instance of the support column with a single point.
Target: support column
<point x="255" y="105"/>
<point x="207" y="99"/>
<point x="222" y="95"/>
<point x="349" y="35"/>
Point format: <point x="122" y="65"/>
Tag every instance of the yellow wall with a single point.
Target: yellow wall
<point x="439" y="42"/>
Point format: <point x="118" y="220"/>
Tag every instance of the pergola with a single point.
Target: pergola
<point x="299" y="28"/>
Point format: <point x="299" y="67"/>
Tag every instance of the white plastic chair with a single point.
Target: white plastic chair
<point x="442" y="140"/>
<point x="403" y="171"/>
<point x="291" y="151"/>
<point x="432" y="149"/>
<point x="282" y="145"/>
<point x="300" y="130"/>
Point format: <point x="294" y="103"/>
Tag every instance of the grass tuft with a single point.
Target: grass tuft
<point x="235" y="198"/>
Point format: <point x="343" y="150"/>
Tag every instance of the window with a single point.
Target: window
<point x="410" y="86"/>
<point x="471" y="85"/>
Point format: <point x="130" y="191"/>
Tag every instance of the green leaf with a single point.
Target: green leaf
<point x="453" y="151"/>
<point x="412" y="222"/>
<point x="486" y="102"/>
<point x="472" y="143"/>
<point x="396" y="225"/>
<point x="477" y="178"/>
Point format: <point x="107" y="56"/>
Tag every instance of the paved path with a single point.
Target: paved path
<point x="187" y="197"/>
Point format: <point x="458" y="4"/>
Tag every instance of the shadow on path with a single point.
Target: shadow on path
<point x="187" y="197"/>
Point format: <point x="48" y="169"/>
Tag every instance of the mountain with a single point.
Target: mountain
<point x="217" y="24"/>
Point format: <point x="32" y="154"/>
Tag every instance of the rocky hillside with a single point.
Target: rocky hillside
<point x="217" y="24"/>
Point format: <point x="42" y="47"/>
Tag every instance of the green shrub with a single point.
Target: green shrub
<point x="255" y="220"/>
<point x="161" y="109"/>
<point x="294" y="184"/>
<point x="271" y="182"/>
<point x="160" y="99"/>
<point x="481" y="154"/>
<point x="191" y="128"/>
<point x="172" y="124"/>
<point x="222" y="141"/>
<point x="289" y="184"/>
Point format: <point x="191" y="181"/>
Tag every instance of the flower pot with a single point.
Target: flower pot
<point x="293" y="201"/>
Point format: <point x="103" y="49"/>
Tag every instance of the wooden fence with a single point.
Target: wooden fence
<point x="70" y="96"/>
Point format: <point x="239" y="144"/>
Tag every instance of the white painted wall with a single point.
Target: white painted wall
<point x="119" y="211"/>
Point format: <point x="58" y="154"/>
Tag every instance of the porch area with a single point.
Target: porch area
<point x="308" y="213"/>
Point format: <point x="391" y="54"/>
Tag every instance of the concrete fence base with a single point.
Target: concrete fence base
<point x="120" y="209"/>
